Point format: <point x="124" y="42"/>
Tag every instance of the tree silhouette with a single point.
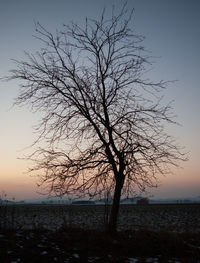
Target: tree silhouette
<point x="103" y="122"/>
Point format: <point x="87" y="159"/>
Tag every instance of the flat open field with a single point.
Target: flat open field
<point x="168" y="217"/>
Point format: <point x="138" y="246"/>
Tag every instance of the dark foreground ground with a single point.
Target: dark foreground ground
<point x="71" y="245"/>
<point x="71" y="234"/>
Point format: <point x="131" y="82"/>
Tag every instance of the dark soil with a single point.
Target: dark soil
<point x="78" y="245"/>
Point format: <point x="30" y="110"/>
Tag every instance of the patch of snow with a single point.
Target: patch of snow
<point x="1" y="235"/>
<point x="44" y="253"/>
<point x="75" y="255"/>
<point x="148" y="260"/>
<point x="9" y="251"/>
<point x="174" y="261"/>
<point x="194" y="246"/>
<point x="133" y="260"/>
<point x="92" y="259"/>
<point x="40" y="245"/>
<point x="151" y="260"/>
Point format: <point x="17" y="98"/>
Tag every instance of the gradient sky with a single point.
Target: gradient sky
<point x="172" y="31"/>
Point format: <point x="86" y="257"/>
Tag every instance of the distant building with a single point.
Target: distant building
<point x="142" y="201"/>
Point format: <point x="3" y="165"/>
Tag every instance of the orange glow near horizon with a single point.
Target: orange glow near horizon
<point x="182" y="183"/>
<point x="17" y="183"/>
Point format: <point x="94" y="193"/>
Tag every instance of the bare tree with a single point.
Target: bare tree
<point x="103" y="122"/>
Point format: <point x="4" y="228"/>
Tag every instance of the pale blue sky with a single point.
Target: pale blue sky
<point x="172" y="31"/>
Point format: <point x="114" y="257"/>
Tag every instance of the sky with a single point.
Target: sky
<point x="172" y="35"/>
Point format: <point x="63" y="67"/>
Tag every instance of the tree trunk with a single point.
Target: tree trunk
<point x="112" y="225"/>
